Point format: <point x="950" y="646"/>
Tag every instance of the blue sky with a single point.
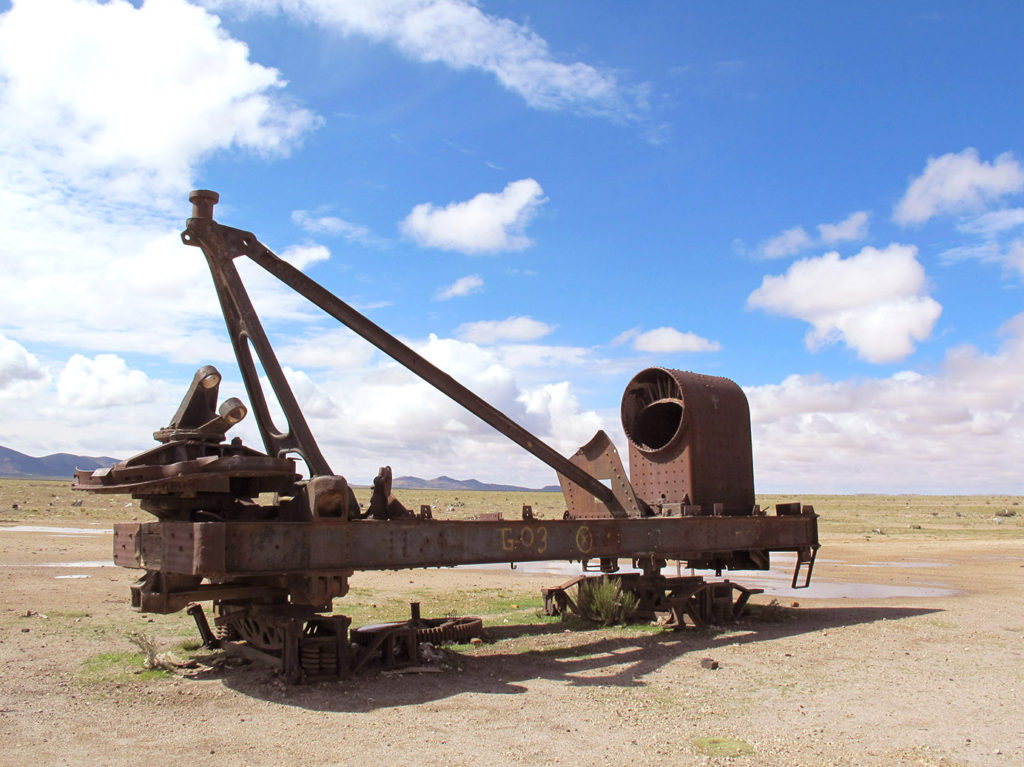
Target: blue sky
<point x="824" y="203"/>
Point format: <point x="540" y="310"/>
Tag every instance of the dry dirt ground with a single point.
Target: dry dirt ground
<point x="931" y="674"/>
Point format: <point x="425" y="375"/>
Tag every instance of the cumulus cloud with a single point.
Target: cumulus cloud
<point x="101" y="382"/>
<point x="463" y="286"/>
<point x="560" y="414"/>
<point x="875" y="302"/>
<point x="301" y="256"/>
<point x="797" y="240"/>
<point x="90" y="154"/>
<point x="21" y="374"/>
<point x="382" y="413"/>
<point x="510" y="329"/>
<point x="958" y="182"/>
<point x="17" y="365"/>
<point x="336" y="348"/>
<point x="789" y="243"/>
<point x="127" y="100"/>
<point x="853" y="227"/>
<point x="458" y="34"/>
<point x="947" y="432"/>
<point x="487" y="223"/>
<point x="671" y="341"/>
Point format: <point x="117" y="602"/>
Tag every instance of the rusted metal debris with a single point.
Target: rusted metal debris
<point x="272" y="571"/>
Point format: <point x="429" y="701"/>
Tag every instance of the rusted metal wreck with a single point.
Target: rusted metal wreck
<point x="272" y="570"/>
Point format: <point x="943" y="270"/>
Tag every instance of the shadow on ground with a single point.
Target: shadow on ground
<point x="607" y="659"/>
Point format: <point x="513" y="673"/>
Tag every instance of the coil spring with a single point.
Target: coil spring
<point x="319" y="658"/>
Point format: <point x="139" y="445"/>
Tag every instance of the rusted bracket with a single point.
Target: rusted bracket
<point x="804" y="557"/>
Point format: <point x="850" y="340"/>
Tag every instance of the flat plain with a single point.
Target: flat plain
<point x="907" y="650"/>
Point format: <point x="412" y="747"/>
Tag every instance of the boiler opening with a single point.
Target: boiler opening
<point x="658" y="423"/>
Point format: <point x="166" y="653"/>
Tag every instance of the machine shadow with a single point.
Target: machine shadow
<point x="624" y="660"/>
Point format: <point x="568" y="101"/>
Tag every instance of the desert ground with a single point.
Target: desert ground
<point x="908" y="649"/>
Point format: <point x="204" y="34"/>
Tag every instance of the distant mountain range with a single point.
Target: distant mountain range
<point x="15" y="465"/>
<point x="447" y="483"/>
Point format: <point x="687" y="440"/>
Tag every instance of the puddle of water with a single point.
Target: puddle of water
<point x="778" y="584"/>
<point x="54" y="530"/>
<point x="900" y="564"/>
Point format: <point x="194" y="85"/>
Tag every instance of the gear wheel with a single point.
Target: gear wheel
<point x="435" y="630"/>
<point x="453" y="630"/>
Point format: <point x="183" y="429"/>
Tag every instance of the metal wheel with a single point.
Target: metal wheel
<point x="261" y="632"/>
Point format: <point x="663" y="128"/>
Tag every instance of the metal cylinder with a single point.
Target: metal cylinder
<point x="689" y="441"/>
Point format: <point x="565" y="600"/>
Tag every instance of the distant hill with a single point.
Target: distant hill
<point x="447" y="483"/>
<point x="15" y="465"/>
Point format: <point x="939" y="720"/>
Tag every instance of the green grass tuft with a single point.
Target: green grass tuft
<point x="603" y="599"/>
<point x="117" y="667"/>
<point x="728" y="747"/>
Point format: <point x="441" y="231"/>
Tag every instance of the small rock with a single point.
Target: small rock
<point x="476" y="641"/>
<point x="710" y="663"/>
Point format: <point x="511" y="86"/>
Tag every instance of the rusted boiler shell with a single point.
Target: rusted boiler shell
<point x="689" y="441"/>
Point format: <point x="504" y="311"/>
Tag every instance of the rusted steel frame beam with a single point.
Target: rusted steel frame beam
<point x="256" y="548"/>
<point x="221" y="244"/>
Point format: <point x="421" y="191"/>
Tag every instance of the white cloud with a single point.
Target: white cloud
<point x="524" y="356"/>
<point x="1015" y="257"/>
<point x="125" y="101"/>
<point x="559" y="411"/>
<point x="959" y="182"/>
<point x="338" y="227"/>
<point x="789" y="243"/>
<point x="510" y="329"/>
<point x="336" y="348"/>
<point x="948" y="432"/>
<point x="458" y="34"/>
<point x="301" y="256"/>
<point x="853" y="227"/>
<point x="984" y="252"/>
<point x="17" y="365"/>
<point x="876" y="302"/>
<point x="485" y="224"/>
<point x="671" y="341"/>
<point x="21" y="373"/>
<point x="97" y="406"/>
<point x="463" y="286"/>
<point x="313" y="400"/>
<point x="107" y="110"/>
<point x="102" y="382"/>
<point x="797" y="240"/>
<point x="993" y="222"/>
<point x="382" y="414"/>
